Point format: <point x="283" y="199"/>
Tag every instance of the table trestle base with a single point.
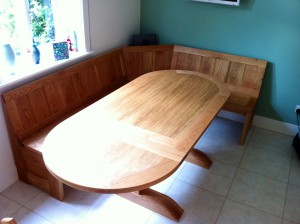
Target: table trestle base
<point x="199" y="158"/>
<point x="157" y="202"/>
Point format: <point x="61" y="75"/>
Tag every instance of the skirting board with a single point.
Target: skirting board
<point x="263" y="122"/>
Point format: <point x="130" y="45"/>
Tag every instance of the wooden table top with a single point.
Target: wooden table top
<point x="136" y="136"/>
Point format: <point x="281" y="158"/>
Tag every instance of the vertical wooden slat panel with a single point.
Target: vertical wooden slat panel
<point x="85" y="80"/>
<point x="117" y="66"/>
<point x="68" y="91"/>
<point x="142" y="59"/>
<point x="182" y="61"/>
<point x="198" y="63"/>
<point x="251" y="77"/>
<point x="135" y="64"/>
<point x="148" y="62"/>
<point x="220" y="71"/>
<point x="91" y="80"/>
<point x="236" y="73"/>
<point x="174" y="60"/>
<point x="207" y="65"/>
<point x="121" y="60"/>
<point x="104" y="72"/>
<point x="80" y="84"/>
<point x="191" y="62"/>
<point x="38" y="104"/>
<point x="260" y="77"/>
<point x="110" y="71"/>
<point x="54" y="98"/>
<point x="24" y="110"/>
<point x="14" y="116"/>
<point x="100" y="68"/>
<point x="162" y="60"/>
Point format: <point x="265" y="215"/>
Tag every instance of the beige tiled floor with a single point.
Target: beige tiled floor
<point x="255" y="183"/>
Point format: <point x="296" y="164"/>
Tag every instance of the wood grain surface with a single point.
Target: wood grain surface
<point x="136" y="136"/>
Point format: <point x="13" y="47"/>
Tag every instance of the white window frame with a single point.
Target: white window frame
<point x="22" y="74"/>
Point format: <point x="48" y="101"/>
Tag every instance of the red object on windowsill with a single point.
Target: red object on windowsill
<point x="70" y="44"/>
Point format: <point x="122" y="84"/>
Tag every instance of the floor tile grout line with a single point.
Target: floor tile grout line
<point x="12" y="200"/>
<point x="18" y="202"/>
<point x="226" y="196"/>
<point x="266" y="175"/>
<point x="294" y="185"/>
<point x="218" y="217"/>
<point x="265" y="149"/>
<point x="271" y="150"/>
<point x="250" y="206"/>
<point x="239" y="167"/>
<point x="202" y="188"/>
<point x="246" y="148"/>
<point x="26" y="204"/>
<point x="239" y="163"/>
<point x="262" y="175"/>
<point x="274" y="131"/>
<point x="198" y="187"/>
<point x="288" y="156"/>
<point x="35" y="214"/>
<point x="293" y="222"/>
<point x="287" y="187"/>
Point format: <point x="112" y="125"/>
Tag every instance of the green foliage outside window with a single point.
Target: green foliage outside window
<point x="41" y="19"/>
<point x="7" y="19"/>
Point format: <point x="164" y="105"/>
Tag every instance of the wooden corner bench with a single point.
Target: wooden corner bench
<point x="33" y="109"/>
<point x="243" y="75"/>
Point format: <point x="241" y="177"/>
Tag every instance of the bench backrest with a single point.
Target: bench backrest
<point x="35" y="105"/>
<point x="234" y="70"/>
<point x="142" y="59"/>
<point x="46" y="100"/>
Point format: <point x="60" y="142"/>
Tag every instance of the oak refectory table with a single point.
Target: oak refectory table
<point x="136" y="137"/>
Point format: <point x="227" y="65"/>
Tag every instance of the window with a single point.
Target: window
<point x="31" y="27"/>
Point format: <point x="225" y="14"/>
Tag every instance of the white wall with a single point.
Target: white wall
<point x="112" y="22"/>
<point x="8" y="173"/>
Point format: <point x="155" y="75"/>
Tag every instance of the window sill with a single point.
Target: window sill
<point x="24" y="72"/>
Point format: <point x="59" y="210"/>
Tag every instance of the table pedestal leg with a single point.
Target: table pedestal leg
<point x="156" y="202"/>
<point x="199" y="158"/>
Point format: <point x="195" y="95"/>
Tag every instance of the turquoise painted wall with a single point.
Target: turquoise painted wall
<point x="264" y="29"/>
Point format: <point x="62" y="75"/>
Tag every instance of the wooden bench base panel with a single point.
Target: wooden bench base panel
<point x="246" y="127"/>
<point x="38" y="175"/>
